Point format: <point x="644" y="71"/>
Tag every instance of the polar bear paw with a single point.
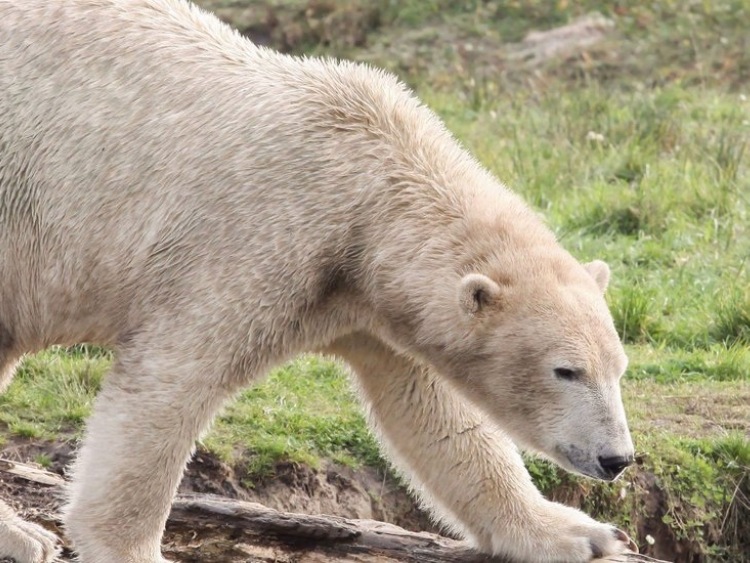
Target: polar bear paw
<point x="563" y="534"/>
<point x="604" y="541"/>
<point x="25" y="542"/>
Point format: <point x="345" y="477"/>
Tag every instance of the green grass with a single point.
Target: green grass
<point x="304" y="411"/>
<point x="657" y="198"/>
<point x="52" y="393"/>
<point x="636" y="154"/>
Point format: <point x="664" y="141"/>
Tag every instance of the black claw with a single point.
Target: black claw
<point x="624" y="538"/>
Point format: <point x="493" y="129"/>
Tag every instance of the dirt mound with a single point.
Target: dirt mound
<point x="295" y="27"/>
<point x="333" y="489"/>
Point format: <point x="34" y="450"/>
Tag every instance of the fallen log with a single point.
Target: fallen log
<point x="257" y="533"/>
<point x="213" y="529"/>
<point x="31" y="473"/>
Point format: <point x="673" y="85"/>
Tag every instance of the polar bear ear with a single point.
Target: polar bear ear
<point x="600" y="272"/>
<point x="477" y="293"/>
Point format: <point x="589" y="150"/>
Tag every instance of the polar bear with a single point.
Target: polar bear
<point x="210" y="209"/>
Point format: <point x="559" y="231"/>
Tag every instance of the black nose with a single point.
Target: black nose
<point x="613" y="466"/>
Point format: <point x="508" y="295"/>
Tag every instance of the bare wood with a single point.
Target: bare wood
<point x="322" y="538"/>
<point x="212" y="529"/>
<point x="315" y="538"/>
<point x="31" y="473"/>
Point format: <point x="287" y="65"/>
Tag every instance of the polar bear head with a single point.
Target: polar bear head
<point x="542" y="357"/>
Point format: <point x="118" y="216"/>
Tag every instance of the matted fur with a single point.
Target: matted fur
<point x="210" y="209"/>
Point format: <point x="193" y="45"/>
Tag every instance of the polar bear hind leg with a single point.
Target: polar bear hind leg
<point x="25" y="542"/>
<point x="21" y="541"/>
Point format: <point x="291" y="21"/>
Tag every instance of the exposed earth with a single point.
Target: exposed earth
<point x="333" y="490"/>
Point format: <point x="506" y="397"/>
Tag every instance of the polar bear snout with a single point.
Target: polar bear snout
<point x="606" y="466"/>
<point x="613" y="466"/>
<point x="601" y="451"/>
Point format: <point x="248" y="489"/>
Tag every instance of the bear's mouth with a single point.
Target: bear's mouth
<point x="575" y="460"/>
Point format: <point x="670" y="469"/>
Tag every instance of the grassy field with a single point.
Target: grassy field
<point x="636" y="152"/>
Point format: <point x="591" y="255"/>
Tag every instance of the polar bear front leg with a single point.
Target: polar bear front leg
<point x="468" y="472"/>
<point x="145" y="422"/>
<point x="23" y="541"/>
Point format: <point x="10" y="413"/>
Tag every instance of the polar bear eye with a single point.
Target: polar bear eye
<point x="567" y="373"/>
